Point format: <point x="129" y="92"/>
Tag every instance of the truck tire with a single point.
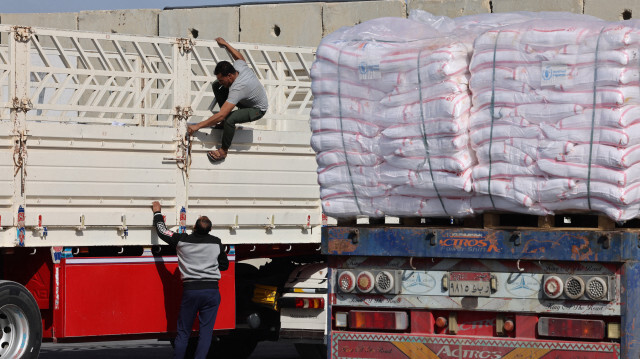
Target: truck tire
<point x="20" y="322"/>
<point x="312" y="351"/>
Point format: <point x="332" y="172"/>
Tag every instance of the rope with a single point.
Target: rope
<point x="185" y="145"/>
<point x="425" y="142"/>
<point x="19" y="158"/>
<point x="593" y="117"/>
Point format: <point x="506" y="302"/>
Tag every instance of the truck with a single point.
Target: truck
<point x="497" y="285"/>
<point x="93" y="129"/>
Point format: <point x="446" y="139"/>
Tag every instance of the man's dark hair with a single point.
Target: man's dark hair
<point x="203" y="225"/>
<point x="224" y="68"/>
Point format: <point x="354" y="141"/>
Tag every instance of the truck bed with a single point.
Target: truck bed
<point x="92" y="129"/>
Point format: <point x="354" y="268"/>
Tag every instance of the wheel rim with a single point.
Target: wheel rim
<point x="15" y="331"/>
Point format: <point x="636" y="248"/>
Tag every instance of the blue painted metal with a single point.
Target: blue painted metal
<point x="20" y="230"/>
<point x="329" y="305"/>
<point x="630" y="291"/>
<point x="596" y="246"/>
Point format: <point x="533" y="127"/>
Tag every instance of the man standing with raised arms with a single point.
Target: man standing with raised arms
<point x="201" y="257"/>
<point x="237" y="85"/>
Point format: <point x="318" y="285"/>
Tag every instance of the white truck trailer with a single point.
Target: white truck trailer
<point x="92" y="130"/>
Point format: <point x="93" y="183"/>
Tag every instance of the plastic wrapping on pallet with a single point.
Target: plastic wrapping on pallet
<point x="578" y="81"/>
<point x="534" y="113"/>
<point x="390" y="121"/>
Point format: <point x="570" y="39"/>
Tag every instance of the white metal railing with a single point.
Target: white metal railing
<point x="65" y="164"/>
<point x="102" y="78"/>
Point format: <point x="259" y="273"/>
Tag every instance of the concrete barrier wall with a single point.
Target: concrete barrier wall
<point x="63" y="20"/>
<point x="201" y="23"/>
<point x="613" y="10"/>
<point x="139" y="22"/>
<point x="575" y="6"/>
<point x="298" y="24"/>
<point x="451" y="8"/>
<point x="337" y="15"/>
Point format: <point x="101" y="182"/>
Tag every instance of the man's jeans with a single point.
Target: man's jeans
<point x="205" y="303"/>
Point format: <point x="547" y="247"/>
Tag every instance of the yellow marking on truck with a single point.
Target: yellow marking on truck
<point x="415" y="350"/>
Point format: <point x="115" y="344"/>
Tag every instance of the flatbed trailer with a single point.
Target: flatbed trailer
<point x="486" y="287"/>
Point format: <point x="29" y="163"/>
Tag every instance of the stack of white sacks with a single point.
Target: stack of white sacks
<point x="390" y="121"/>
<point x="553" y="124"/>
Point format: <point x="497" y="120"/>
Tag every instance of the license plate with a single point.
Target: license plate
<point x="469" y="284"/>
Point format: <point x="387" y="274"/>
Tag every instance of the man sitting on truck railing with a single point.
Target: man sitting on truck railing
<point x="201" y="257"/>
<point x="237" y="85"/>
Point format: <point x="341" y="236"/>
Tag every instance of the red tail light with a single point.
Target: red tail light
<point x="365" y="282"/>
<point x="553" y="286"/>
<point x="346" y="281"/>
<point x="441" y="322"/>
<point x="571" y="328"/>
<point x="509" y="326"/>
<point x="304" y="303"/>
<point x="315" y="303"/>
<point x="360" y="319"/>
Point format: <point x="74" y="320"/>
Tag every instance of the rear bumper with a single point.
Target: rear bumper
<point x="306" y="335"/>
<point x="388" y="346"/>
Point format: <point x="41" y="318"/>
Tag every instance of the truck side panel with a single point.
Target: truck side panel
<point x="119" y="296"/>
<point x="94" y="130"/>
<point x="105" y="296"/>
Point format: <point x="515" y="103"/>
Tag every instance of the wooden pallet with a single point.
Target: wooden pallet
<point x="587" y="222"/>
<point x="474" y="222"/>
<point x="579" y="221"/>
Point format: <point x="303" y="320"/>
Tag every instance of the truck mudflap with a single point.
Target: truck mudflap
<point x="392" y="346"/>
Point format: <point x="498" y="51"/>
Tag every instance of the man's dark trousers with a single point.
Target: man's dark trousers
<point x="205" y="302"/>
<point x="241" y="115"/>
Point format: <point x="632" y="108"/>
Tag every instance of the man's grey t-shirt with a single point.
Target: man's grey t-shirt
<point x="246" y="90"/>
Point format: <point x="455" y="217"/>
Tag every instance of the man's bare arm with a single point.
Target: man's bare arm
<point x="234" y="53"/>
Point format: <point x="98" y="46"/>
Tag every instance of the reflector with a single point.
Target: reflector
<point x="613" y="331"/>
<point x="265" y="295"/>
<point x="571" y="328"/>
<point x="441" y="322"/>
<point x="365" y="282"/>
<point x="509" y="325"/>
<point x="553" y="286"/>
<point x="341" y="319"/>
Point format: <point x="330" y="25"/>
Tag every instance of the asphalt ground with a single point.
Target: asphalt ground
<point x="147" y="349"/>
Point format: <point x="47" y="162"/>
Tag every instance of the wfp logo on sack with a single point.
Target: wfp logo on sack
<point x="367" y="71"/>
<point x="553" y="74"/>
